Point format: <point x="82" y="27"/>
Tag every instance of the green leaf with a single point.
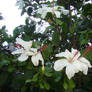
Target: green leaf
<point x="71" y="84"/>
<point x="68" y="84"/>
<point x="3" y="78"/>
<point x="56" y="38"/>
<point x="47" y="52"/>
<point x="11" y="68"/>
<point x="65" y="85"/>
<point x="23" y="89"/>
<point x="48" y="71"/>
<point x="36" y="44"/>
<point x="59" y="22"/>
<point x="35" y="78"/>
<point x="28" y="81"/>
<point x="46" y="85"/>
<point x="41" y="85"/>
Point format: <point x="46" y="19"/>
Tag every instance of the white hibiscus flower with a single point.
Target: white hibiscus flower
<point x="57" y="10"/>
<point x="27" y="51"/>
<point x="73" y="63"/>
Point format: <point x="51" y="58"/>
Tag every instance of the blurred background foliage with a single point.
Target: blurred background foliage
<point x="73" y="31"/>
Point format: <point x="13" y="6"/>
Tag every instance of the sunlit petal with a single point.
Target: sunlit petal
<point x="25" y="44"/>
<point x="84" y="60"/>
<point x="18" y="51"/>
<point x="23" y="57"/>
<point x="73" y="51"/>
<point x="39" y="56"/>
<point x="34" y="60"/>
<point x="60" y="64"/>
<point x="70" y="71"/>
<point x="57" y="13"/>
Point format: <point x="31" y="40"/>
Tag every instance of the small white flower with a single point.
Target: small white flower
<point x="20" y="3"/>
<point x="73" y="63"/>
<point x="27" y="51"/>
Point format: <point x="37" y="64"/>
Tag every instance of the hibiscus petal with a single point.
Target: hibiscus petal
<point x="39" y="56"/>
<point x="29" y="53"/>
<point x="84" y="60"/>
<point x="57" y="13"/>
<point x="44" y="14"/>
<point x="23" y="57"/>
<point x="35" y="60"/>
<point x="77" y="65"/>
<point x="62" y="54"/>
<point x="70" y="71"/>
<point x="25" y="44"/>
<point x="60" y="64"/>
<point x="84" y="68"/>
<point x="18" y="51"/>
<point x="33" y="49"/>
<point x="73" y="51"/>
<point x="65" y="54"/>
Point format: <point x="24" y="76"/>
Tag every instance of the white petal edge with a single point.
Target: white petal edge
<point x="57" y="13"/>
<point x="25" y="44"/>
<point x="23" y="57"/>
<point x="60" y="64"/>
<point x="34" y="60"/>
<point x="84" y="60"/>
<point x="18" y="51"/>
<point x="70" y="71"/>
<point x="73" y="51"/>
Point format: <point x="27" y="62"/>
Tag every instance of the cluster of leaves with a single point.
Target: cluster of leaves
<point x="63" y="33"/>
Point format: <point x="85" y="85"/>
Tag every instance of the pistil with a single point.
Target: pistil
<point x="53" y="8"/>
<point x="87" y="50"/>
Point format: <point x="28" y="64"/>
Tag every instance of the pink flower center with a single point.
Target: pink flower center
<point x="18" y="45"/>
<point x="71" y="59"/>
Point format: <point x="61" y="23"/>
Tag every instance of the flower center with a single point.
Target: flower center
<point x="70" y="60"/>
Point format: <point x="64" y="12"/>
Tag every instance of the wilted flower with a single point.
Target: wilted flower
<point x="73" y="63"/>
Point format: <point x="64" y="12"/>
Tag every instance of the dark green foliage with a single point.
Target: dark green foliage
<point x="64" y="33"/>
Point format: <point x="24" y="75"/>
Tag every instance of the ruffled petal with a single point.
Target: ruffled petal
<point x="60" y="64"/>
<point x="65" y="54"/>
<point x="34" y="60"/>
<point x="73" y="51"/>
<point x="62" y="54"/>
<point x="29" y="53"/>
<point x="57" y="13"/>
<point x="23" y="57"/>
<point x="18" y="51"/>
<point x="44" y="14"/>
<point x="84" y="68"/>
<point x="84" y="60"/>
<point x="77" y="65"/>
<point x="70" y="71"/>
<point x="33" y="50"/>
<point x="39" y="56"/>
<point x="25" y="44"/>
